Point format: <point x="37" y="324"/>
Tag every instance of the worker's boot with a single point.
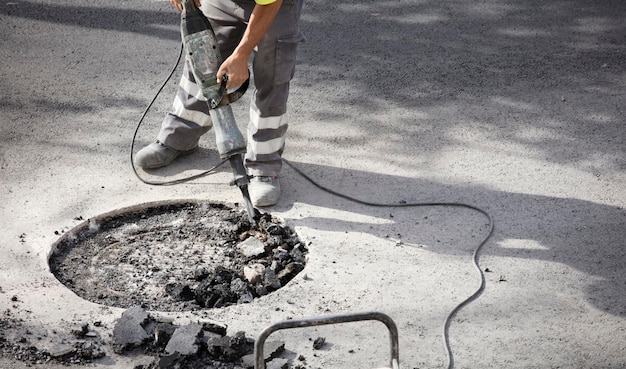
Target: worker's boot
<point x="264" y="190"/>
<point x="157" y="155"/>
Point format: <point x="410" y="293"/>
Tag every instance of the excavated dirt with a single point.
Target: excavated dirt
<point x="177" y="256"/>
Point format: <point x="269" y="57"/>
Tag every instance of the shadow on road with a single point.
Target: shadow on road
<point x="99" y="15"/>
<point x="584" y="235"/>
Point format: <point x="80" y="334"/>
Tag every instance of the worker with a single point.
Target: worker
<point x="270" y="30"/>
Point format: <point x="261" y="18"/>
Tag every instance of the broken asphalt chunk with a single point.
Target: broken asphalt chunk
<point x="271" y="350"/>
<point x="130" y="330"/>
<point x="185" y="340"/>
<point x="251" y="247"/>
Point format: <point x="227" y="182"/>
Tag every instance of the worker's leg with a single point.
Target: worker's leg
<point x="189" y="117"/>
<point x="273" y="69"/>
<point x="181" y="128"/>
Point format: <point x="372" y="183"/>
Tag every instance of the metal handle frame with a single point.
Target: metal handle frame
<point x="326" y="320"/>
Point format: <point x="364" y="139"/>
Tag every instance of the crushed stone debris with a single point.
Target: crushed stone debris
<point x="194" y="345"/>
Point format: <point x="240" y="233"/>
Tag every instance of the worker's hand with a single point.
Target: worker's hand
<point x="236" y="67"/>
<point x="178" y="4"/>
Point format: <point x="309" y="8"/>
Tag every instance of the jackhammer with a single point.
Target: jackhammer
<point x="204" y="59"/>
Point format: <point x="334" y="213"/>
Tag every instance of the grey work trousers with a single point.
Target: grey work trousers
<point x="273" y="67"/>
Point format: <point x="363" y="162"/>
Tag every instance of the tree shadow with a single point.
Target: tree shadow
<point x="584" y="235"/>
<point x="533" y="80"/>
<point x="147" y="22"/>
<point x="542" y="75"/>
<point x="536" y="74"/>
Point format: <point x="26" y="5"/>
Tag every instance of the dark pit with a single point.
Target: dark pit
<point x="177" y="256"/>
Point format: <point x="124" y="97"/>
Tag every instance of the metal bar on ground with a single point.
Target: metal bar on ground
<point x="326" y="320"/>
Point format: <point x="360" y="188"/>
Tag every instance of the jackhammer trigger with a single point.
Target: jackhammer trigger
<point x="214" y="103"/>
<point x="230" y="98"/>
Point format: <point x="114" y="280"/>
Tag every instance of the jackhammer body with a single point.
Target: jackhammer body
<point x="204" y="59"/>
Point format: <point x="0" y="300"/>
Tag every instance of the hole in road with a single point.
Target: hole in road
<point x="177" y="256"/>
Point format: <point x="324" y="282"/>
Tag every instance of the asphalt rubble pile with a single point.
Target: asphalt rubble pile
<point x="136" y="332"/>
<point x="195" y="345"/>
<point x="269" y="259"/>
<point x="259" y="259"/>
